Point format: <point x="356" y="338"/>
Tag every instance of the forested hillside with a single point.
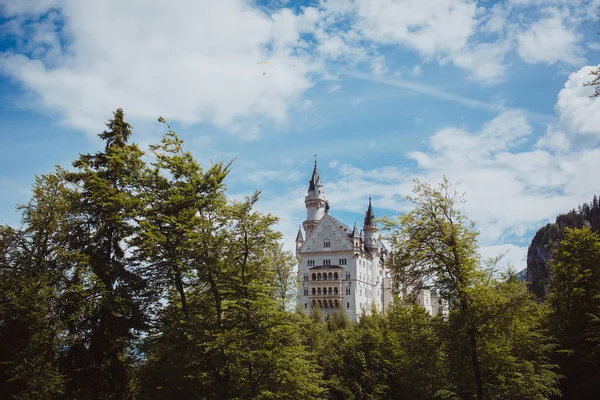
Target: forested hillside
<point x="135" y="276"/>
<point x="545" y="241"/>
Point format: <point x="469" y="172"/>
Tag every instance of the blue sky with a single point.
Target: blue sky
<point x="487" y="92"/>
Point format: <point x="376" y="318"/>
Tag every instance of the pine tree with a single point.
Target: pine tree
<point x="97" y="362"/>
<point x="35" y="308"/>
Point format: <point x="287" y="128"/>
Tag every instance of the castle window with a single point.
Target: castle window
<point x="306" y="292"/>
<point x="335" y="290"/>
<point x="305" y="277"/>
<point x="330" y="303"/>
<point x="305" y="305"/>
<point x="314" y="291"/>
<point x="342" y="261"/>
<point x="347" y="290"/>
<point x="347" y="305"/>
<point x="325" y="276"/>
<point x="319" y="291"/>
<point x="319" y="276"/>
<point x="326" y="243"/>
<point x="335" y="276"/>
<point x="337" y="305"/>
<point x="314" y="303"/>
<point x="330" y="276"/>
<point x="347" y="276"/>
<point x="327" y="262"/>
<point x="314" y="277"/>
<point x="311" y="263"/>
<point x="330" y="291"/>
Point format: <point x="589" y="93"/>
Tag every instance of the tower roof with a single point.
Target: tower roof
<point x="299" y="236"/>
<point x="315" y="179"/>
<point x="355" y="233"/>
<point x="369" y="216"/>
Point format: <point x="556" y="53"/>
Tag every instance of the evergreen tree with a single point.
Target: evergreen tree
<point x="97" y="362"/>
<point x="35" y="306"/>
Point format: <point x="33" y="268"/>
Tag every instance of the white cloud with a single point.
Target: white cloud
<point x="514" y="256"/>
<point x="578" y="112"/>
<point x="549" y="41"/>
<point x="194" y="62"/>
<point x="417" y="70"/>
<point x="429" y="26"/>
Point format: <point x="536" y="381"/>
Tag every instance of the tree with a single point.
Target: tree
<point x="435" y="241"/>
<point x="97" y="360"/>
<point x="515" y="345"/>
<point x="221" y="332"/>
<point x="496" y="342"/>
<point x="414" y="353"/>
<point x="179" y="196"/>
<point x="575" y="298"/>
<point x="35" y="284"/>
<point x="595" y="82"/>
<point x="286" y="277"/>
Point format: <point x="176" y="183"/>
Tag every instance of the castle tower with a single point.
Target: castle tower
<point x="371" y="231"/>
<point x="315" y="201"/>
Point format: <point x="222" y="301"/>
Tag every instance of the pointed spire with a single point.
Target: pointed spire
<point x="355" y="233"/>
<point x="315" y="177"/>
<point x="299" y="236"/>
<point x="369" y="216"/>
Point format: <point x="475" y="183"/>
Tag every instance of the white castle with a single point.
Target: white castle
<point x="343" y="268"/>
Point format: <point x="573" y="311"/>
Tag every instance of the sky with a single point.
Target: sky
<point x="489" y="93"/>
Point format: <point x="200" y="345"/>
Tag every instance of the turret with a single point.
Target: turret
<point x="315" y="201"/>
<point x="371" y="230"/>
<point x="299" y="238"/>
<point x="355" y="237"/>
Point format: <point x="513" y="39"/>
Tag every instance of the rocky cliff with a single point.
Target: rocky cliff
<point x="546" y="240"/>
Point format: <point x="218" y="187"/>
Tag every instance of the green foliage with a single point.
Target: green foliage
<point x="492" y="324"/>
<point x="575" y="300"/>
<point x="547" y="239"/>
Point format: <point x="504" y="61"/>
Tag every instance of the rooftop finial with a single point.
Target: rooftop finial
<point x="369" y="199"/>
<point x="315" y="159"/>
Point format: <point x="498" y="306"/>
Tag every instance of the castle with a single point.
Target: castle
<point x="343" y="268"/>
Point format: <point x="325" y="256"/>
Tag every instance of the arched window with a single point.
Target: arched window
<point x="319" y="276"/>
<point x="330" y="291"/>
<point x="335" y="276"/>
<point x="320" y="304"/>
<point x="337" y="305"/>
<point x="314" y="276"/>
<point x="331" y="303"/>
<point x="324" y="276"/>
<point x="335" y="290"/>
<point x="319" y="291"/>
<point x="314" y="303"/>
<point x="314" y="291"/>
<point x="330" y="276"/>
<point x="326" y="243"/>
